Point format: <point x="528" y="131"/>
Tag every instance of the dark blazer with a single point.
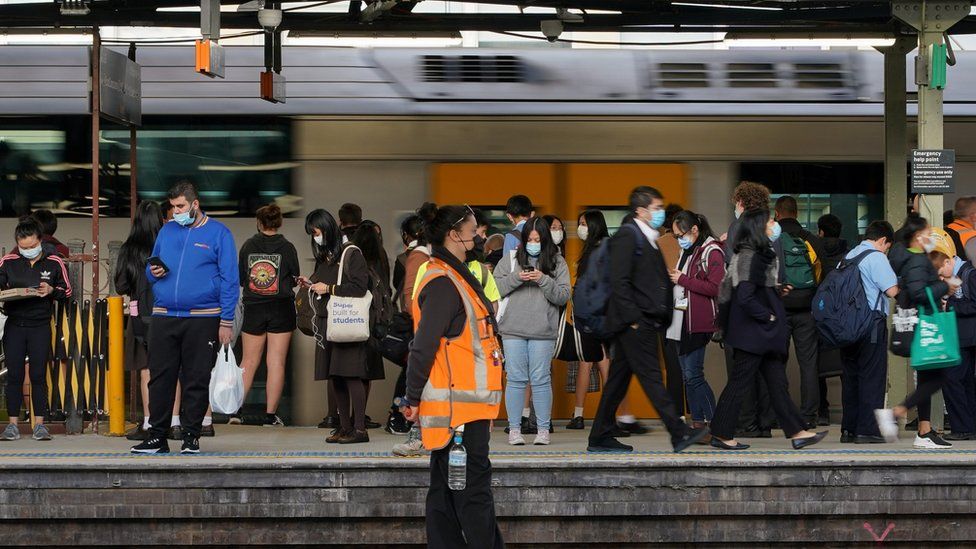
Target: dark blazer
<point x="640" y="287"/>
<point x="749" y="326"/>
<point x="964" y="303"/>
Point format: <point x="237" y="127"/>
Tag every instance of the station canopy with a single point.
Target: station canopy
<point x="782" y="17"/>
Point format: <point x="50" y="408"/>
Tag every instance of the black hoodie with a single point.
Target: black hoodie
<point x="834" y="251"/>
<point x="268" y="268"/>
<point x="915" y="274"/>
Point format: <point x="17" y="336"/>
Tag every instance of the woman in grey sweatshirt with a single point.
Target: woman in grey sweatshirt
<point x="534" y="285"/>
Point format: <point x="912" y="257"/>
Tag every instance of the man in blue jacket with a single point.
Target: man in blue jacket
<point x="196" y="283"/>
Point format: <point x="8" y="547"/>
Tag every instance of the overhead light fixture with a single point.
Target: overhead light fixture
<point x="74" y="7"/>
<point x="799" y="39"/>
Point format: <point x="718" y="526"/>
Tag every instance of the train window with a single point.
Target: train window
<point x="614" y="216"/>
<point x="238" y="165"/>
<point x="853" y="191"/>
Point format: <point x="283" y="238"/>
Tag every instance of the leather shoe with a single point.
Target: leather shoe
<point x="692" y="437"/>
<point x="721" y="445"/>
<point x="960" y="436"/>
<point x="609" y="445"/>
<point x="617" y="432"/>
<point x="635" y="428"/>
<point x="801" y="443"/>
<point x="576" y="423"/>
<point x="846" y="437"/>
<point x="869" y="439"/>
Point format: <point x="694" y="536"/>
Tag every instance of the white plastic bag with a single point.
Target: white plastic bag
<point x="226" y="383"/>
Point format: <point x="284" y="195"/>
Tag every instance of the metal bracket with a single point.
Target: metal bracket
<point x="938" y="16"/>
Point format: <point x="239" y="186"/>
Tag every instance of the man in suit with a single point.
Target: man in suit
<point x="638" y="312"/>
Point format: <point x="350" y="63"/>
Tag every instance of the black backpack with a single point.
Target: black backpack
<point x="840" y="306"/>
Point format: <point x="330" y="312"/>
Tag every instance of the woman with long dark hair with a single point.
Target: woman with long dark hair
<point x="131" y="281"/>
<point x="754" y="321"/>
<point x="697" y="277"/>
<point x="558" y="232"/>
<point x="343" y="364"/>
<point x="367" y="239"/>
<point x="536" y="285"/>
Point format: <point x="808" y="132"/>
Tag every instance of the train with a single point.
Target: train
<point x="391" y="128"/>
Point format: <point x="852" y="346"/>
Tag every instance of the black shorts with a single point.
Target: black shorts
<point x="269" y="317"/>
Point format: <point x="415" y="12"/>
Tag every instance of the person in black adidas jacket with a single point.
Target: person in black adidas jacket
<point x="28" y="328"/>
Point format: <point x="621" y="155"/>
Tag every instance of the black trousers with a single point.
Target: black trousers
<point x="960" y="392"/>
<point x="672" y="371"/>
<point x="184" y="350"/>
<point x="635" y="352"/>
<point x="929" y="381"/>
<point x="863" y="381"/>
<point x="806" y="343"/>
<point x="20" y="342"/>
<point x="747" y="366"/>
<point x="463" y="518"/>
<point x="756" y="413"/>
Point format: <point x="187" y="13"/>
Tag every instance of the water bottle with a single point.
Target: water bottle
<point x="457" y="463"/>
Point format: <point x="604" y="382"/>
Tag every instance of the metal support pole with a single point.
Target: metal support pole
<point x="133" y="154"/>
<point x="896" y="175"/>
<point x="96" y="114"/>
<point x="116" y="368"/>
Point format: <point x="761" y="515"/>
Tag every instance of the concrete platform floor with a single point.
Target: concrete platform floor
<point x="262" y="446"/>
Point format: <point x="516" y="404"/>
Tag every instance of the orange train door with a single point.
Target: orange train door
<point x="564" y="190"/>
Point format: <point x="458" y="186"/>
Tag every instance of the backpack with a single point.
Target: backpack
<point x="840" y="306"/>
<point x="798" y="266"/>
<point x="382" y="307"/>
<point x="592" y="291"/>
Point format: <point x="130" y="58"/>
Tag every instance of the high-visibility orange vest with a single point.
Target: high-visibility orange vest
<point x="465" y="382"/>
<point x="965" y="231"/>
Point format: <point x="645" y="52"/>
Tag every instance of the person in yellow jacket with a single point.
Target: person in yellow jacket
<point x="454" y="380"/>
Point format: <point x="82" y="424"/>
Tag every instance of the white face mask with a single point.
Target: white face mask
<point x="320" y="240"/>
<point x="557" y="237"/>
<point x="582" y="232"/>
<point x="31" y="253"/>
<point x="928" y="245"/>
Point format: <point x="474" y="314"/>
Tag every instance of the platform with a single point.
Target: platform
<point x="276" y="487"/>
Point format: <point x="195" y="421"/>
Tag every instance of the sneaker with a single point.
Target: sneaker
<point x="609" y="446"/>
<point x="887" y="424"/>
<point x="542" y="439"/>
<point x="137" y="433"/>
<point x="576" y="423"/>
<point x="191" y="445"/>
<point x="396" y="424"/>
<point x="12" y="432"/>
<point x="152" y="445"/>
<point x="235" y="419"/>
<point x="208" y="431"/>
<point x="175" y="433"/>
<point x="931" y="441"/>
<point x="515" y="438"/>
<point x="414" y="446"/>
<point x="41" y="432"/>
<point x="272" y="420"/>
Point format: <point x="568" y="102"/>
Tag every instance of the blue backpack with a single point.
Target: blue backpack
<point x="840" y="306"/>
<point x="592" y="291"/>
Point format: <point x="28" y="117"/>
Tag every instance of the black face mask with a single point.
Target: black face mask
<point x="478" y="252"/>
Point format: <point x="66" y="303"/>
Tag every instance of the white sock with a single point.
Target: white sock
<point x="526" y="412"/>
<point x="145" y="423"/>
<point x="627" y="419"/>
<point x="175" y="422"/>
<point x="207" y="421"/>
<point x="578" y="411"/>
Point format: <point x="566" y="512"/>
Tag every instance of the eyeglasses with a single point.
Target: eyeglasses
<point x="468" y="213"/>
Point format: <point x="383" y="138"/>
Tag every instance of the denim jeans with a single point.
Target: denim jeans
<point x="701" y="399"/>
<point x="528" y="361"/>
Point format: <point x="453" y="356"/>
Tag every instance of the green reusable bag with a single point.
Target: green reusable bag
<point x="936" y="343"/>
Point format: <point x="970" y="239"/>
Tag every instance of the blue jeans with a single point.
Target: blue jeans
<point x="528" y="361"/>
<point x="701" y="399"/>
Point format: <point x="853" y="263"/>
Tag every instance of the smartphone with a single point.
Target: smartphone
<point x="156" y="262"/>
<point x="527" y="268"/>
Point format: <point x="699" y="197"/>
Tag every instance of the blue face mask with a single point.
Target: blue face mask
<point x="183" y="219"/>
<point x="533" y="249"/>
<point x="685" y="243"/>
<point x="657" y="219"/>
<point x="777" y="231"/>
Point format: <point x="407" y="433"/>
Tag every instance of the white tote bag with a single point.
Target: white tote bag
<point x="347" y="318"/>
<point x="226" y="383"/>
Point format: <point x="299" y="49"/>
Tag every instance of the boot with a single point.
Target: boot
<point x="702" y="425"/>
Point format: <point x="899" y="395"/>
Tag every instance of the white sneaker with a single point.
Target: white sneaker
<point x="12" y="432"/>
<point x="931" y="441"/>
<point x="887" y="424"/>
<point x="542" y="439"/>
<point x="515" y="437"/>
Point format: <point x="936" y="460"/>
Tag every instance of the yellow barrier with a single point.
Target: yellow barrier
<point x="116" y="367"/>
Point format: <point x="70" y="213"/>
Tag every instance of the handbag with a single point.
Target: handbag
<point x="395" y="344"/>
<point x="305" y="311"/>
<point x="903" y="324"/>
<point x="568" y="346"/>
<point x="347" y="318"/>
<point x="936" y="343"/>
